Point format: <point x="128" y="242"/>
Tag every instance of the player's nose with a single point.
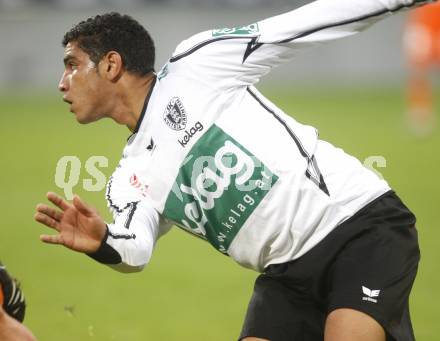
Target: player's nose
<point x="62" y="85"/>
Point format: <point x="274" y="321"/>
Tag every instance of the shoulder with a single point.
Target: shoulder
<point x="192" y="42"/>
<point x="234" y="35"/>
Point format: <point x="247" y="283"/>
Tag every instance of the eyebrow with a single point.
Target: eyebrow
<point x="68" y="58"/>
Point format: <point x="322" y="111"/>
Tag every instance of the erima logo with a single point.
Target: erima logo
<point x="189" y="134"/>
<point x="175" y="114"/>
<point x="369" y="294"/>
<point x="151" y="146"/>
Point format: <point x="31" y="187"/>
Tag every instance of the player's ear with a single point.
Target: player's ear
<point x="111" y="66"/>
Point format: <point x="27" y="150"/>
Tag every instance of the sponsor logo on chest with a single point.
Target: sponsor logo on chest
<point x="190" y="133"/>
<point x="218" y="187"/>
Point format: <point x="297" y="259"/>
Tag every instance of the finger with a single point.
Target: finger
<point x="49" y="211"/>
<point x="46" y="220"/>
<point x="51" y="239"/>
<point x="82" y="206"/>
<point x="58" y="201"/>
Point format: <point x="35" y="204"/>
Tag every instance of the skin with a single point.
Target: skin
<point x="79" y="227"/>
<point x="12" y="330"/>
<point x="108" y="90"/>
<point x="105" y="90"/>
<point x="348" y="324"/>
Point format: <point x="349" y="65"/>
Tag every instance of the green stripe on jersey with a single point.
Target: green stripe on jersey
<point x="242" y="30"/>
<point x="219" y="185"/>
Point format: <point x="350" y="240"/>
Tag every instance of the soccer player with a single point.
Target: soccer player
<point x="12" y="330"/>
<point x="12" y="310"/>
<point x="422" y="46"/>
<point x="336" y="248"/>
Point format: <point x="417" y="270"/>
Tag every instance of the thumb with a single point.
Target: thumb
<point x="81" y="206"/>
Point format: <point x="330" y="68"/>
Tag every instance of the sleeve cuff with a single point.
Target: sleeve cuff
<point x="105" y="253"/>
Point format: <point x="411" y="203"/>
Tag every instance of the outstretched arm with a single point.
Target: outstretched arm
<point x="125" y="245"/>
<point x="240" y="56"/>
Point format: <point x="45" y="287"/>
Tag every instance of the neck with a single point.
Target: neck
<point x="132" y="99"/>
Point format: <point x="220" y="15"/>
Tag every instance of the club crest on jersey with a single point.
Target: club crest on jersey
<point x="175" y="114"/>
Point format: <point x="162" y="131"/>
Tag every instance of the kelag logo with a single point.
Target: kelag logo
<point x="218" y="188"/>
<point x="242" y="30"/>
<point x="190" y="133"/>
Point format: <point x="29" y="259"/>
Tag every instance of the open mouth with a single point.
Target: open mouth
<point x="66" y="100"/>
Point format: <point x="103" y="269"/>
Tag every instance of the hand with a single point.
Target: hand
<point x="80" y="228"/>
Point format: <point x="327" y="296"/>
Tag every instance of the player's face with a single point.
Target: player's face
<point x="82" y="86"/>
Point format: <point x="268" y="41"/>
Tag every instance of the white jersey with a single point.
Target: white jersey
<point x="214" y="157"/>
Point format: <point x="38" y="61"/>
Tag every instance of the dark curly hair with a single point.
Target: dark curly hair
<point x="113" y="31"/>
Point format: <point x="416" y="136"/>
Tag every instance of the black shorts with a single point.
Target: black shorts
<point x="368" y="263"/>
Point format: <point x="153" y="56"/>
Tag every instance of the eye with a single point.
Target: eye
<point x="71" y="66"/>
